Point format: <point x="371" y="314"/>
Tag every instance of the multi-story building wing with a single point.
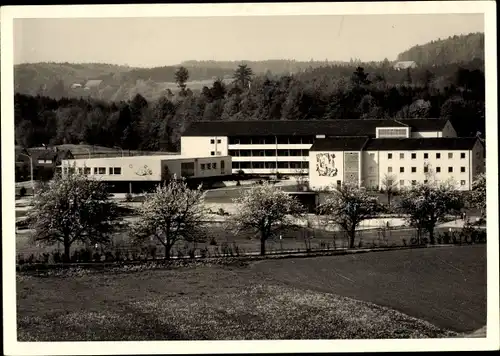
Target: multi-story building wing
<point x="378" y="162"/>
<point x="269" y="147"/>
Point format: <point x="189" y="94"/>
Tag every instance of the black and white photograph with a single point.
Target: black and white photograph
<point x="311" y="175"/>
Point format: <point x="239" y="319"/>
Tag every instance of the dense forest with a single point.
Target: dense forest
<point x="122" y="83"/>
<point x="329" y="92"/>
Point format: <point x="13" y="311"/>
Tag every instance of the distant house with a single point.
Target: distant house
<point x="93" y="84"/>
<point x="405" y="65"/>
<point x="45" y="160"/>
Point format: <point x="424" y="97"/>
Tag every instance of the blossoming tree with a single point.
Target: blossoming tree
<point x="73" y="208"/>
<point x="265" y="209"/>
<point x="173" y="212"/>
<point x="478" y="194"/>
<point x="348" y="206"/>
<point x="427" y="204"/>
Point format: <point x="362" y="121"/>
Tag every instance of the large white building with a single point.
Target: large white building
<point x="269" y="147"/>
<point x="380" y="162"/>
<point x="138" y="173"/>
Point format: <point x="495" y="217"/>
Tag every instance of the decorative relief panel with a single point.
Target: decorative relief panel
<point x="325" y="164"/>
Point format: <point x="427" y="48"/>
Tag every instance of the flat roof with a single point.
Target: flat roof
<point x="346" y="127"/>
<point x="170" y="157"/>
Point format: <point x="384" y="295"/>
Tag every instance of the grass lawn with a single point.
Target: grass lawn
<point x="272" y="299"/>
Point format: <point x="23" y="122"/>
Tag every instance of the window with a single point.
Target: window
<point x="218" y="153"/>
<point x="86" y="170"/>
<point x="389" y="156"/>
<point x="462" y="182"/>
<point x="413" y="156"/>
<point x="236" y="165"/>
<point x="426" y="155"/>
<point x="391" y="132"/>
<point x="95" y="170"/>
<point x="389" y="169"/>
<point x="414" y="169"/>
<point x="401" y="183"/>
<point x="462" y="169"/>
<point x="202" y="166"/>
<point x="214" y="165"/>
<point x="438" y="155"/>
<point x="462" y="155"/>
<point x="413" y="182"/>
<point x="118" y="170"/>
<point x="270" y="165"/>
<point x="222" y="164"/>
<point x="102" y="170"/>
<point x="401" y="169"/>
<point x="339" y="184"/>
<point x="212" y="153"/>
<point x="218" y="141"/>
<point x="401" y="156"/>
<point x="390" y="183"/>
<point x="450" y="155"/>
<point x="450" y="169"/>
<point x="426" y="169"/>
<point x="80" y="170"/>
<point x="305" y="152"/>
<point x="438" y="169"/>
<point x="212" y="141"/>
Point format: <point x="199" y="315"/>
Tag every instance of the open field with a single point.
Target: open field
<point x="284" y="299"/>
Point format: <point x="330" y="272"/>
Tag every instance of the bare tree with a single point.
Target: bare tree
<point x="171" y="214"/>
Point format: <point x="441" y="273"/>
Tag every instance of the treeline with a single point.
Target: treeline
<point x="357" y="93"/>
<point x="456" y="49"/>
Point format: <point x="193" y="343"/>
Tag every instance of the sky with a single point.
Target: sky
<point x="149" y="42"/>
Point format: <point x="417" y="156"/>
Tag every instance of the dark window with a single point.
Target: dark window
<point x="401" y="169"/>
<point x="258" y="165"/>
<point x="118" y="170"/>
<point x="244" y="165"/>
<point x="282" y="164"/>
<point x="187" y="169"/>
<point x="202" y="166"/>
<point x="339" y="184"/>
<point x="426" y="169"/>
<point x="295" y="152"/>
<point x="389" y="156"/>
<point x="450" y="155"/>
<point x="218" y="141"/>
<point x="413" y="182"/>
<point x="426" y="155"/>
<point x="86" y="170"/>
<point x="413" y="169"/>
<point x="212" y="141"/>
<point x="438" y="169"/>
<point x="214" y="165"/>
<point x="413" y="155"/>
<point x="102" y="170"/>
<point x="270" y="165"/>
<point x="282" y="140"/>
<point x="270" y="153"/>
<point x="110" y="170"/>
<point x="212" y="153"/>
<point x="222" y="164"/>
<point x="258" y="153"/>
<point x="401" y="156"/>
<point x="95" y="170"/>
<point x="236" y="165"/>
<point x="245" y="153"/>
<point x="305" y="165"/>
<point x="462" y="155"/>
<point x="234" y="153"/>
<point x="462" y="182"/>
<point x="450" y="169"/>
<point x="438" y="155"/>
<point x="283" y="153"/>
<point x="462" y="169"/>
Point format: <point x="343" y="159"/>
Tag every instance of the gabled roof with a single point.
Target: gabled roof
<point x="355" y="127"/>
<point x="416" y="144"/>
<point x="340" y="144"/>
<point x="337" y="144"/>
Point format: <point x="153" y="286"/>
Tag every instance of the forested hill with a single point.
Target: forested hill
<point x="456" y="49"/>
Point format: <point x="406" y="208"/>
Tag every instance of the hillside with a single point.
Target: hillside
<point x="456" y="49"/>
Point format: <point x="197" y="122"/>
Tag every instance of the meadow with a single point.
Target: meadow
<point x="421" y="293"/>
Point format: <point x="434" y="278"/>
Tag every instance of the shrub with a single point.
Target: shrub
<point x="129" y="197"/>
<point x="22" y="192"/>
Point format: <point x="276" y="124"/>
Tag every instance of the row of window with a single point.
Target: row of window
<point x="97" y="170"/>
<point x="426" y="155"/>
<point x="213" y="165"/>
<point x="413" y="182"/>
<point x="268" y="153"/>
<point x="426" y="169"/>
<point x="270" y="140"/>
<point x="271" y="165"/>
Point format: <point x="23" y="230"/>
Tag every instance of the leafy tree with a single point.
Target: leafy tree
<point x="426" y="205"/>
<point x="73" y="209"/>
<point x="478" y="194"/>
<point x="348" y="206"/>
<point x="173" y="213"/>
<point x="359" y="77"/>
<point x="243" y="76"/>
<point x="181" y="77"/>
<point x="265" y="209"/>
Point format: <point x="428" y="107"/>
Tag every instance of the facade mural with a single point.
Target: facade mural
<point x="325" y="164"/>
<point x="144" y="171"/>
